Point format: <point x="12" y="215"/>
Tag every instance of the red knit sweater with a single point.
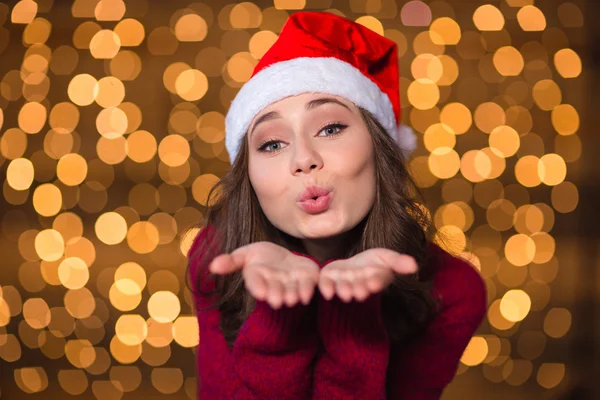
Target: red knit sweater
<point x="336" y="350"/>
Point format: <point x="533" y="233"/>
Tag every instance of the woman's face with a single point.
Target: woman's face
<point x="312" y="139"/>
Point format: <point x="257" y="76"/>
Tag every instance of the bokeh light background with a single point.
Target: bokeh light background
<point x="112" y="132"/>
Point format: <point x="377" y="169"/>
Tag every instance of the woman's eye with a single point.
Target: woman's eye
<point x="270" y="146"/>
<point x="273" y="146"/>
<point x="333" y="129"/>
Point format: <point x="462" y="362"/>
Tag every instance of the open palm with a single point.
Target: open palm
<point x="363" y="274"/>
<point x="271" y="273"/>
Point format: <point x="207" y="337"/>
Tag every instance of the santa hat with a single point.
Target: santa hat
<point x="319" y="52"/>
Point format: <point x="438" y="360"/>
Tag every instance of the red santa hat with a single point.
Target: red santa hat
<point x="319" y="52"/>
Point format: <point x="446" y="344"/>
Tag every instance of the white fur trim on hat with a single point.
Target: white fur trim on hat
<point x="405" y="138"/>
<point x="303" y="75"/>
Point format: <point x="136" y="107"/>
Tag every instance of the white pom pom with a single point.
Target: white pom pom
<point x="406" y="139"/>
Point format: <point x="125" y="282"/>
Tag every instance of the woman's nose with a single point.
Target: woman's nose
<point x="305" y="157"/>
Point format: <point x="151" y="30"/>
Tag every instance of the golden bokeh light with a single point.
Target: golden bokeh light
<point x="520" y="249"/>
<point x="488" y="116"/>
<point x="550" y="375"/>
<point x="123" y="353"/>
<point x="73" y="381"/>
<point x="32" y="117"/>
<point x="142" y="237"/>
<point x="185" y="331"/>
<point x="112" y="122"/>
<point x="552" y="169"/>
<point x="191" y="28"/>
<point x="167" y="380"/>
<point x="132" y="271"/>
<point x="444" y="31"/>
<point x="36" y="313"/>
<point x="105" y="44"/>
<point x="80" y="303"/>
<point x="504" y="141"/>
<point x="131" y="32"/>
<point x="112" y="151"/>
<point x="82" y="89"/>
<point x="372" y="23"/>
<point x="531" y="18"/>
<point x="508" y="61"/>
<point x="261" y="42"/>
<point x="37" y="31"/>
<point x="565" y="197"/>
<point x="515" y="305"/>
<point x="423" y="94"/>
<point x="475" y="352"/>
<point x="19" y="174"/>
<point x="164" y="306"/>
<point x="191" y="85"/>
<point x="24" y="12"/>
<point x="109" y="10"/>
<point x="565" y="119"/>
<point x="49" y="245"/>
<point x="457" y="116"/>
<point x="110" y="92"/>
<point x="111" y="228"/>
<point x="125" y="295"/>
<point x="72" y="169"/>
<point x="546" y="94"/>
<point x="439" y="135"/>
<point x="415" y="13"/>
<point x="245" y="15"/>
<point x="174" y="150"/>
<point x="527" y="171"/>
<point x="31" y="379"/>
<point x="488" y="18"/>
<point x="131" y="329"/>
<point x="73" y="273"/>
<point x="240" y="67"/>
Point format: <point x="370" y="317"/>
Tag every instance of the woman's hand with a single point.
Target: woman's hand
<point x="366" y="273"/>
<point x="271" y="273"/>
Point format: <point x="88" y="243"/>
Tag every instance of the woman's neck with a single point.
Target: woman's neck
<point x="324" y="249"/>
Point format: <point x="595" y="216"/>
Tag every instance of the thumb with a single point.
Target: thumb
<point x="404" y="264"/>
<point x="229" y="263"/>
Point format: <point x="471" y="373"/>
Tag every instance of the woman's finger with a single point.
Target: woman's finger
<point x="275" y="293"/>
<point x="379" y="279"/>
<point x="326" y="286"/>
<point x="227" y="263"/>
<point x="343" y="289"/>
<point x="256" y="283"/>
<point x="404" y="264"/>
<point x="306" y="290"/>
<point x="290" y="295"/>
<point x="359" y="288"/>
<point x="221" y="265"/>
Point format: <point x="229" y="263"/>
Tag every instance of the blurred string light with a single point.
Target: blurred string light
<point x="479" y="91"/>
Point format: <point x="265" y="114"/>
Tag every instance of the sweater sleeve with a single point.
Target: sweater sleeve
<point x="422" y="371"/>
<point x="355" y="353"/>
<point x="271" y="358"/>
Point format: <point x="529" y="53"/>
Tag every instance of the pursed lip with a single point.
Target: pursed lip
<point x="313" y="191"/>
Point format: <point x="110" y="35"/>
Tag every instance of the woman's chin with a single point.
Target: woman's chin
<point x="321" y="227"/>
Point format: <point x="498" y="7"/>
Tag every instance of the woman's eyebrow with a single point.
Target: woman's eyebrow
<point x="324" y="100"/>
<point x="311" y="105"/>
<point x="265" y="117"/>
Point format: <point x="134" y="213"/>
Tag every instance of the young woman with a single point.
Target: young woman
<point x="315" y="275"/>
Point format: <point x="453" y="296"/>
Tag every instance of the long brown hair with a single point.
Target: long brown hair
<point x="398" y="220"/>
